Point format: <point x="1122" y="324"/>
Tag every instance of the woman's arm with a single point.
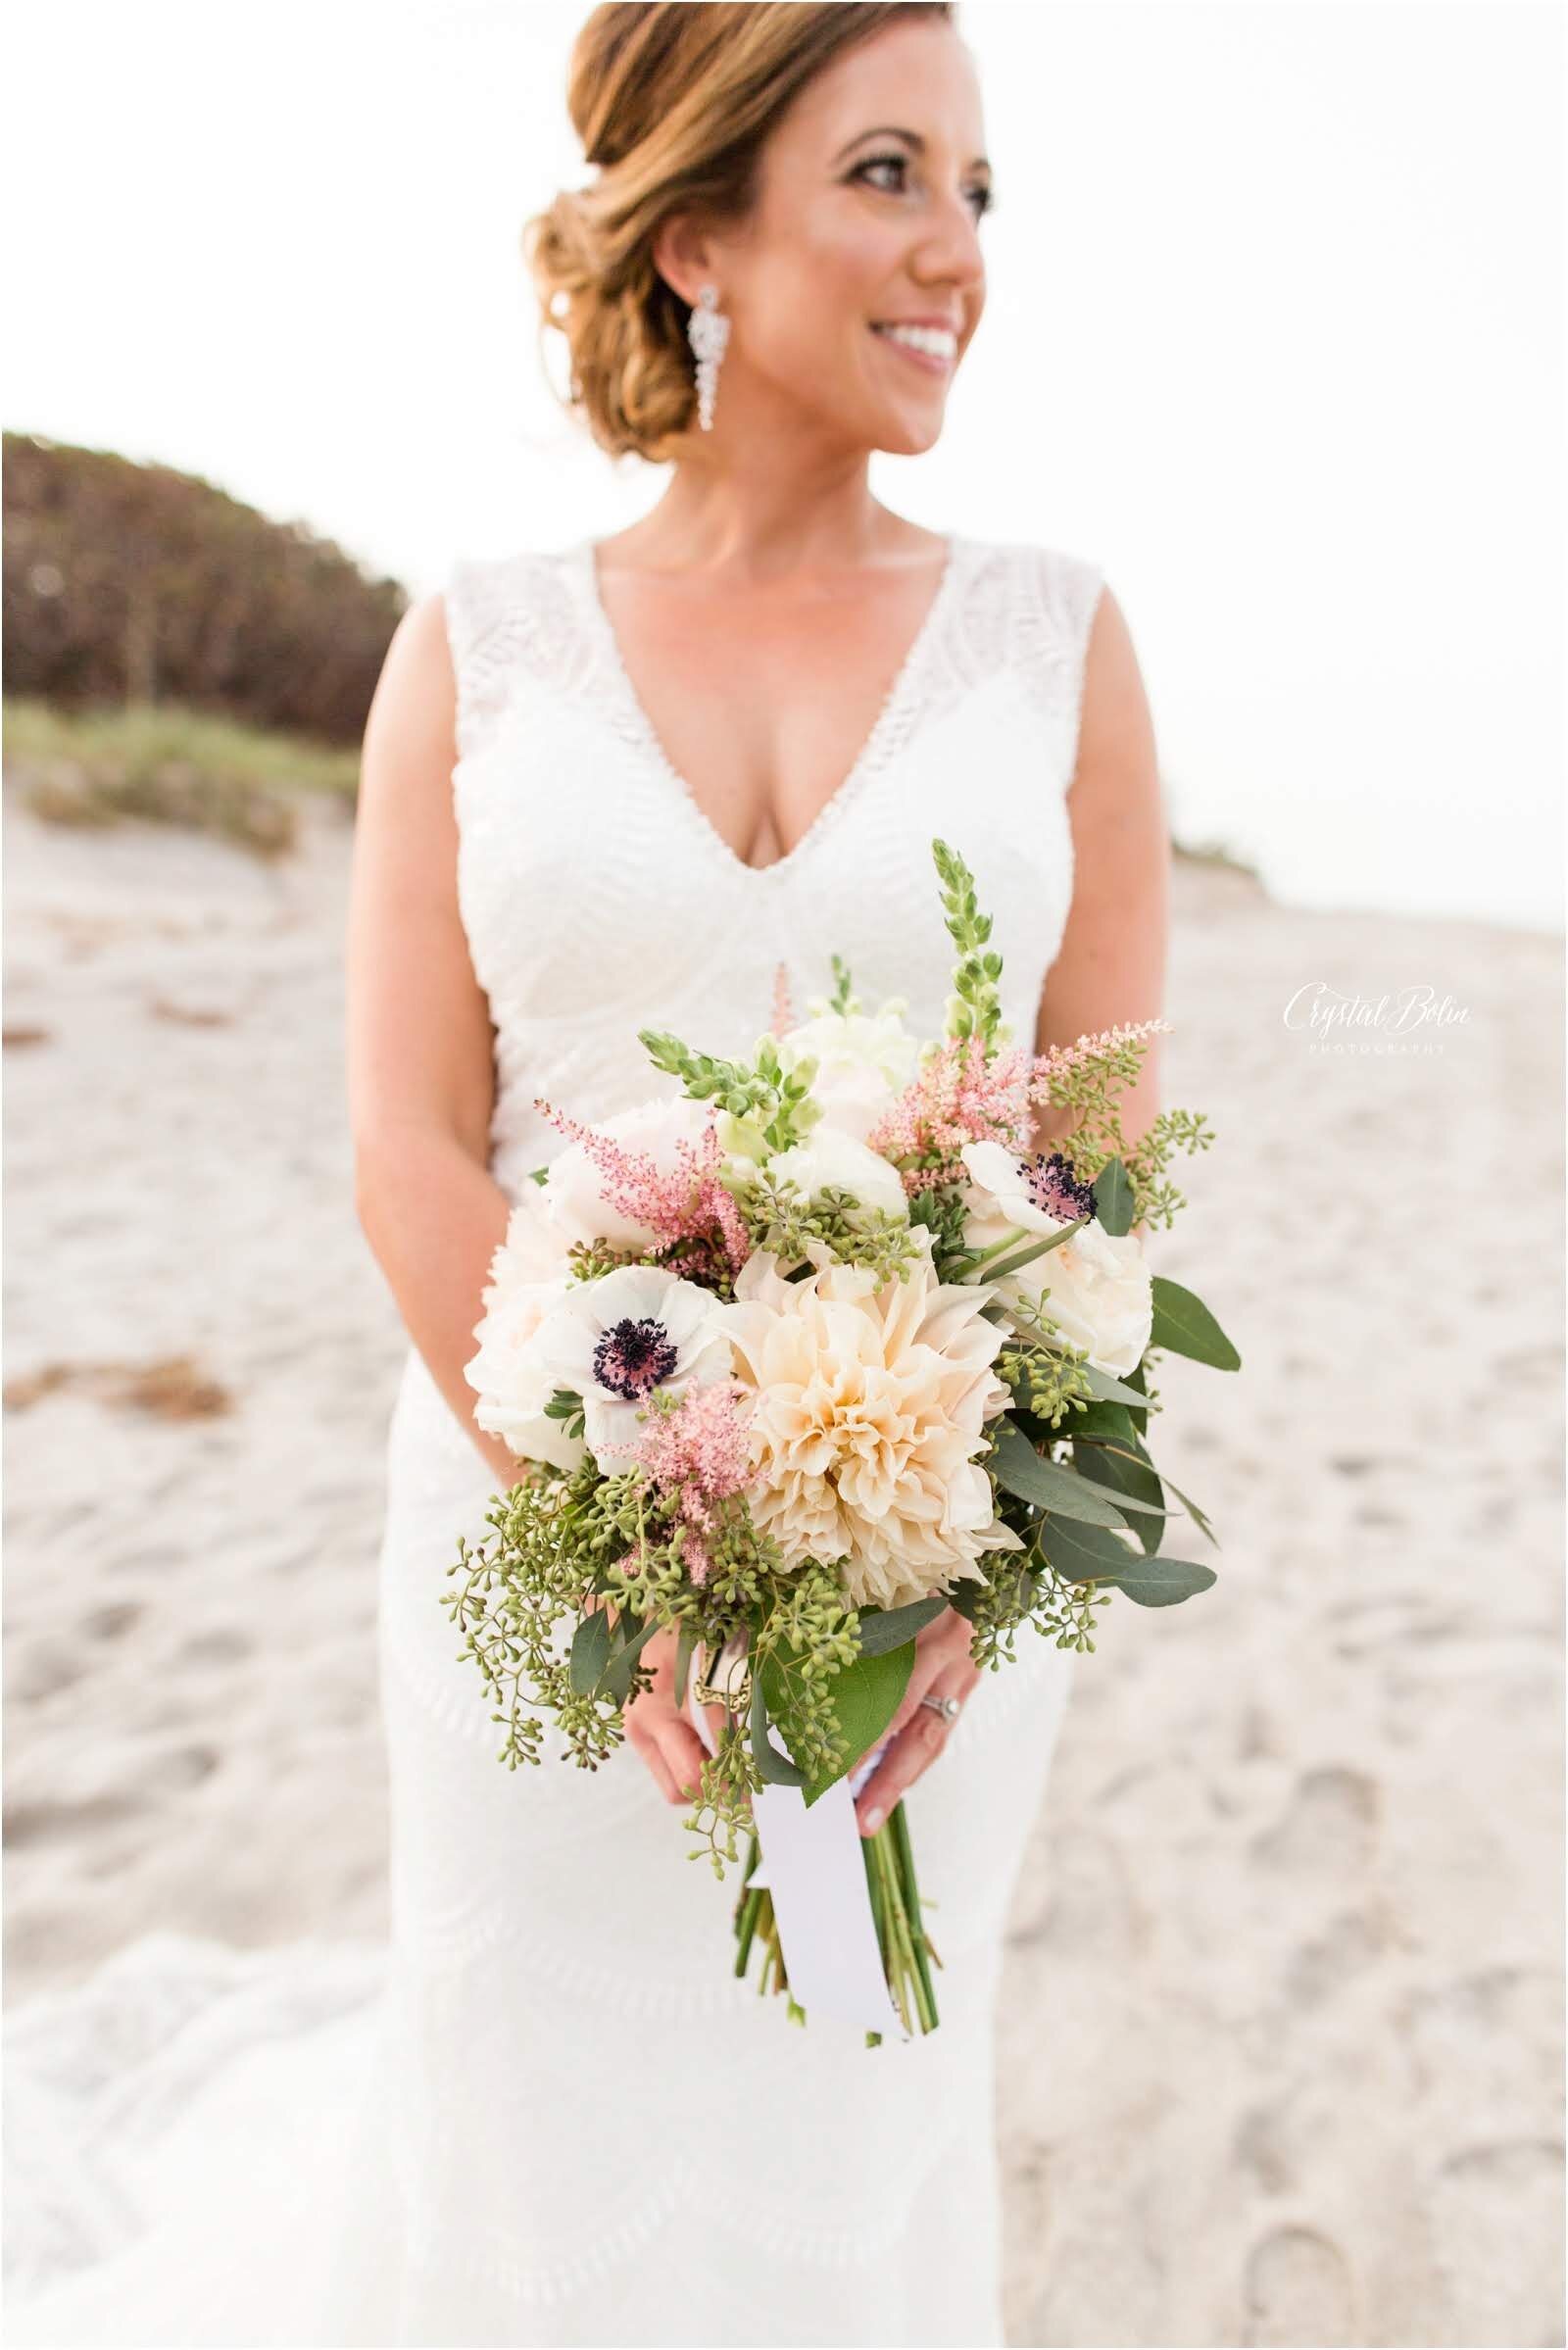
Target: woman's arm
<point x="1111" y="965"/>
<point x="420" y="1072"/>
<point x="1111" y="968"/>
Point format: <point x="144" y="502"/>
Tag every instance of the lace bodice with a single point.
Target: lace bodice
<point x="598" y="897"/>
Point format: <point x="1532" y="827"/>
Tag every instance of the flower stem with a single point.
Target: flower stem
<point x="910" y="1988"/>
<point x="900" y="1827"/>
<point x="902" y="1977"/>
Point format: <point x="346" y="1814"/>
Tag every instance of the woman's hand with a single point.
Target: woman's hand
<point x="916" y="1734"/>
<point x="662" y="1730"/>
<point x="663" y="1734"/>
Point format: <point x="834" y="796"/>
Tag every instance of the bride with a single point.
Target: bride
<point x="614" y="786"/>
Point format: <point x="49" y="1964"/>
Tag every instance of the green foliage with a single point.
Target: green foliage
<point x="864" y="1697"/>
<point x="1113" y="1198"/>
<point x="135" y="584"/>
<point x="1125" y="1470"/>
<point x="1163" y="1582"/>
<point x="780" y="1218"/>
<point x="1022" y="1587"/>
<point x="1183" y="1325"/>
<point x="161" y="764"/>
<point x="944" y="1214"/>
<point x="883" y="1628"/>
<point x="761" y="1091"/>
<point x="580" y="1571"/>
<point x="974" y="1007"/>
<point x="1047" y="1382"/>
<point x="1097" y="1139"/>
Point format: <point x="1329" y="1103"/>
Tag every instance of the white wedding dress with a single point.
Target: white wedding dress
<point x="548" y="2113"/>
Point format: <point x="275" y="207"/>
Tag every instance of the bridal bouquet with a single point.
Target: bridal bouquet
<point x="792" y="1359"/>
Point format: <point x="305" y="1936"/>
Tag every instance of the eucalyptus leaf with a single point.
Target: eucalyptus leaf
<point x="616" y="1679"/>
<point x="685" y="1643"/>
<point x="1107" y="1389"/>
<point x="1162" y="1582"/>
<point x="1019" y="1469"/>
<point x="864" y="1697"/>
<point x="1124" y="1472"/>
<point x="884" y="1629"/>
<point x="590" y="1651"/>
<point x="1082" y="1553"/>
<point x="1113" y="1198"/>
<point x="1138" y="1413"/>
<point x="1183" y="1325"/>
<point x="1099" y="1421"/>
<point x="1194" y="1512"/>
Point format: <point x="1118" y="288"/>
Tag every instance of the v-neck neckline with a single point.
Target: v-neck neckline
<point x="900" y="704"/>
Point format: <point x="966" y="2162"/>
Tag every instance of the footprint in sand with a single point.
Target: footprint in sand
<point x="1297" y="2287"/>
<point x="1329" y="1824"/>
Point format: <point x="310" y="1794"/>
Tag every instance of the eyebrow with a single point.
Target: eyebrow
<point x="912" y="138"/>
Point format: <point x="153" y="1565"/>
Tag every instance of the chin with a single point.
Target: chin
<point x="905" y="440"/>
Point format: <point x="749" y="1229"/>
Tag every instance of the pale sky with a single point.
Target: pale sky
<point x="1274" y="335"/>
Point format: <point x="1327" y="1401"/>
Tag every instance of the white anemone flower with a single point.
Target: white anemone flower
<point x="613" y="1340"/>
<point x="1095" y="1286"/>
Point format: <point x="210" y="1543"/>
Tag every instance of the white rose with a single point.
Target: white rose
<point x="527" y="1281"/>
<point x="863" y="1060"/>
<point x="1096" y="1286"/>
<point x="574" y="1189"/>
<point x="830" y="1156"/>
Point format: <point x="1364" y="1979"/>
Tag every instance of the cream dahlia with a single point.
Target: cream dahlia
<point x="869" y="1411"/>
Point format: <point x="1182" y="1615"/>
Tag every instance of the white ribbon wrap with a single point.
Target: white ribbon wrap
<point x="812" y="1863"/>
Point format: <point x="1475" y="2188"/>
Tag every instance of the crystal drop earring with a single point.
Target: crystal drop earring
<point x="708" y="331"/>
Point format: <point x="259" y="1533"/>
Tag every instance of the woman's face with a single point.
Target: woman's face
<point x="870" y="195"/>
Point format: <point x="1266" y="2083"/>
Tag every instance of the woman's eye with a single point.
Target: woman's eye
<point x="980" y="195"/>
<point x="881" y="162"/>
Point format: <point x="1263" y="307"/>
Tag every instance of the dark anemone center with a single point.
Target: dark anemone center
<point x="632" y="1358"/>
<point x="1053" y="1187"/>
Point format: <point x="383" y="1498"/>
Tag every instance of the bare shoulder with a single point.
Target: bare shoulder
<point x="1112" y="962"/>
<point x="410" y="731"/>
<point x="1116" y="733"/>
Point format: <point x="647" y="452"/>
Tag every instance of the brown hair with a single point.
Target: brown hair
<point x="673" y="105"/>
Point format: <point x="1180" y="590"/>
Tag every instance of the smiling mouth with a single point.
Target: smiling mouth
<point x="933" y="348"/>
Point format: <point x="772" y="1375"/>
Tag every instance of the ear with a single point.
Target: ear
<point x="684" y="254"/>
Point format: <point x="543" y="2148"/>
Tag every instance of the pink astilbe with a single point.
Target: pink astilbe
<point x="700" y="1453"/>
<point x="959" y="1096"/>
<point x="783" y="1015"/>
<point x="1091" y="1047"/>
<point x="688" y="1204"/>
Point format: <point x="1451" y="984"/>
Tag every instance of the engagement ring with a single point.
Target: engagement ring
<point x="947" y="1707"/>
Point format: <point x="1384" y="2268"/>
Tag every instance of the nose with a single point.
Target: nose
<point x="950" y="252"/>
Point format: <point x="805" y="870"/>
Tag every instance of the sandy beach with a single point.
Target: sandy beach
<point x="1282" y="2055"/>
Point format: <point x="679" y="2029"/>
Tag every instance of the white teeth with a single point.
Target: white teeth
<point x="940" y="341"/>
